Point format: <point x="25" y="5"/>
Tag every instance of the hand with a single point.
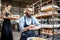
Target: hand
<point x="31" y="27"/>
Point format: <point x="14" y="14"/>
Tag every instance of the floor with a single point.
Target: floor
<point x="16" y="35"/>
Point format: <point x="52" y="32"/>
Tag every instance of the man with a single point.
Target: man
<point x="28" y="24"/>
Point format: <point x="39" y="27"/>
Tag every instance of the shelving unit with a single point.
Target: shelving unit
<point x="51" y="19"/>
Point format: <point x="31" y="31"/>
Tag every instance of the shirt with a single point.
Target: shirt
<point x="28" y="22"/>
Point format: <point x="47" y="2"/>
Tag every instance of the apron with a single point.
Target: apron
<point x="28" y="33"/>
<point x="6" y="33"/>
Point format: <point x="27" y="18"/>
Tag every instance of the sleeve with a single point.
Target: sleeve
<point x="36" y="22"/>
<point x="21" y="24"/>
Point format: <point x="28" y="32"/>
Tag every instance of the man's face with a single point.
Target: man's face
<point x="29" y="12"/>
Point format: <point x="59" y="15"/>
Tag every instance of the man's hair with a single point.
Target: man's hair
<point x="27" y="7"/>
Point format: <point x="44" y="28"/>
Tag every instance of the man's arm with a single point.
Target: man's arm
<point x="21" y="24"/>
<point x="37" y="24"/>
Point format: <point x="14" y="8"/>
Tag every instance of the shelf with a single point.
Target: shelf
<point x="12" y="17"/>
<point x="49" y="8"/>
<point x="51" y="26"/>
<point x="46" y="15"/>
<point x="55" y="21"/>
<point x="50" y="21"/>
<point x="50" y="33"/>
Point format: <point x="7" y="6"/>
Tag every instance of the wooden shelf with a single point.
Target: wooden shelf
<point x="50" y="21"/>
<point x="49" y="9"/>
<point x="55" y="21"/>
<point x="46" y="15"/>
<point x="51" y="27"/>
<point x="12" y="17"/>
<point x="47" y="27"/>
<point x="50" y="33"/>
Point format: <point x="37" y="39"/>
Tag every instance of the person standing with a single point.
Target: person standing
<point x="6" y="33"/>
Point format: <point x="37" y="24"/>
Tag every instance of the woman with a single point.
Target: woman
<point x="6" y="33"/>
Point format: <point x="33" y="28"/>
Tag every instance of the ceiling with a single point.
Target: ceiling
<point x="26" y="1"/>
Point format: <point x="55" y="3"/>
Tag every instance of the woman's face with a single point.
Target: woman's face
<point x="8" y="8"/>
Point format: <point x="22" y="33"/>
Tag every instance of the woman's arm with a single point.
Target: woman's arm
<point x="8" y="11"/>
<point x="3" y="13"/>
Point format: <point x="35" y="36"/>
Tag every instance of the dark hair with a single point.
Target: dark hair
<point x="7" y="5"/>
